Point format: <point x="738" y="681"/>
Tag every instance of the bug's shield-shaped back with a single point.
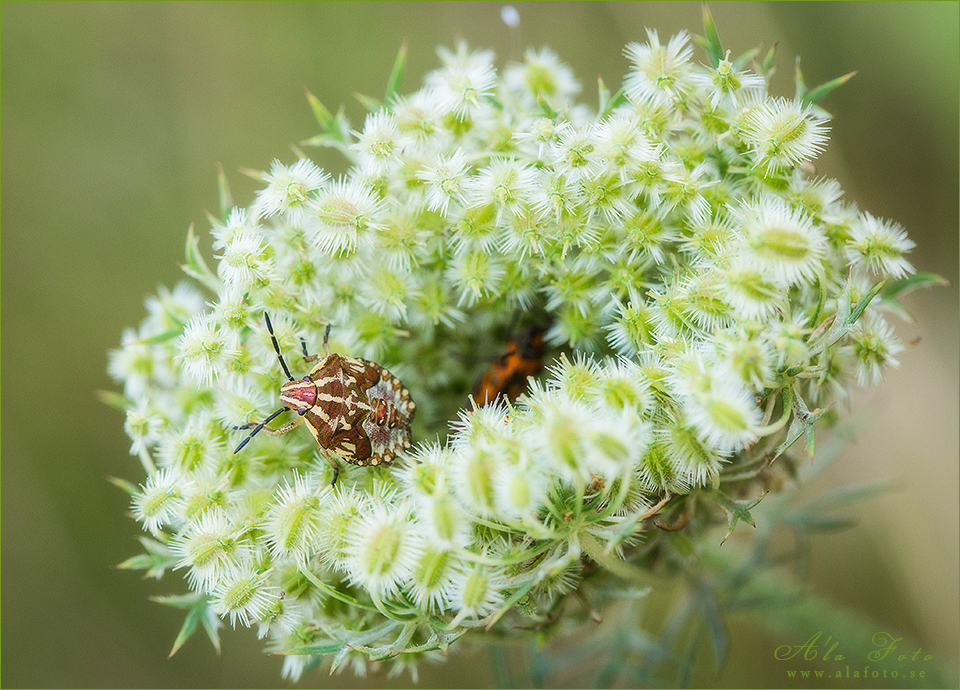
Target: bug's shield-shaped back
<point x="392" y="436"/>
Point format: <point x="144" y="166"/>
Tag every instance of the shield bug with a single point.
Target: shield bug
<point x="508" y="374"/>
<point x="353" y="407"/>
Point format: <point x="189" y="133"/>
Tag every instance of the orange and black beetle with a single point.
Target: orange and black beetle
<point x="508" y="374"/>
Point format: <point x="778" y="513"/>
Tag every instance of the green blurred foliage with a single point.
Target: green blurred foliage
<point x="115" y="116"/>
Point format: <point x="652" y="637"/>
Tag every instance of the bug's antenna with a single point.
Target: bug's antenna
<point x="259" y="426"/>
<point x="276" y="346"/>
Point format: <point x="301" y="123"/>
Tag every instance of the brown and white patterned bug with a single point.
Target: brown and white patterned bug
<point x="353" y="407"/>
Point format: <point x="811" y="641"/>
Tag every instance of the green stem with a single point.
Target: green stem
<point x="147" y="462"/>
<point x="627" y="571"/>
<point x="333" y="592"/>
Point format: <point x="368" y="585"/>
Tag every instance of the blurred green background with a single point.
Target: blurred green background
<point x="114" y="116"/>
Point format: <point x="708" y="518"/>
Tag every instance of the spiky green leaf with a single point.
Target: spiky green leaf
<point x="166" y="336"/>
<point x="371" y="104"/>
<point x="115" y="400"/>
<point x="904" y="286"/>
<point x="127" y="487"/>
<point x="545" y="107"/>
<point x="351" y="639"/>
<point x="603" y="94"/>
<point x="737" y="510"/>
<point x="196" y="267"/>
<point x="396" y="74"/>
<point x="745" y="58"/>
<point x="155" y="561"/>
<point x="801" y="87"/>
<point x="198" y="612"/>
<point x="768" y="67"/>
<point x="324" y="117"/>
<point x="226" y="199"/>
<point x="711" y="39"/>
<point x="619" y="97"/>
<point x="857" y="310"/>
<point x="818" y="92"/>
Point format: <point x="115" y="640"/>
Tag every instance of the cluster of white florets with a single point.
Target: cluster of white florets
<point x="676" y="243"/>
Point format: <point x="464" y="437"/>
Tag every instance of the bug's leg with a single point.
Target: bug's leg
<point x="326" y="335"/>
<point x="276" y="346"/>
<point x="308" y="358"/>
<point x="257" y="428"/>
<point x="289" y="426"/>
<point x="334" y="465"/>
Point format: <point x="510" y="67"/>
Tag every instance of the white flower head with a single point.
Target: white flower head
<point x="244" y="595"/>
<point x="660" y="73"/>
<point x="377" y="145"/>
<point x="726" y="416"/>
<point x="817" y="197"/>
<point x="292" y="523"/>
<point x="879" y="245"/>
<point x="710" y="236"/>
<point x="622" y="388"/>
<point x="622" y="144"/>
<point x="382" y="549"/>
<point x="749" y="292"/>
<point x="505" y="184"/>
<point x="538" y="135"/>
<point x="232" y="309"/>
<point x="476" y="593"/>
<point x="288" y="189"/>
<point x="211" y="548"/>
<point x="573" y="153"/>
<point x="191" y="447"/>
<point x="561" y="439"/>
<point x="875" y="347"/>
<point x="613" y="443"/>
<point x="342" y="513"/>
<point x="692" y="460"/>
<point x="169" y="309"/>
<point x="781" y="242"/>
<point x="444" y="517"/>
<point x="727" y="85"/>
<point x="418" y="118"/>
<point x="239" y="400"/>
<point x="426" y="474"/>
<point x="205" y="349"/>
<point x="446" y="181"/>
<point x="603" y="192"/>
<point x="542" y="74"/>
<point x="465" y="80"/>
<point x="576" y="380"/>
<point x="143" y="424"/>
<point x="678" y="226"/>
<point x="782" y="133"/>
<point x="239" y="221"/>
<point x="159" y="502"/>
<point x="433" y="577"/>
<point x="345" y="214"/>
<point x="555" y="194"/>
<point x="474" y="476"/>
<point x="748" y="358"/>
<point x="244" y="262"/>
<point x="476" y="275"/>
<point x="281" y="617"/>
<point x="138" y="364"/>
<point x="633" y="328"/>
<point x="519" y="489"/>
